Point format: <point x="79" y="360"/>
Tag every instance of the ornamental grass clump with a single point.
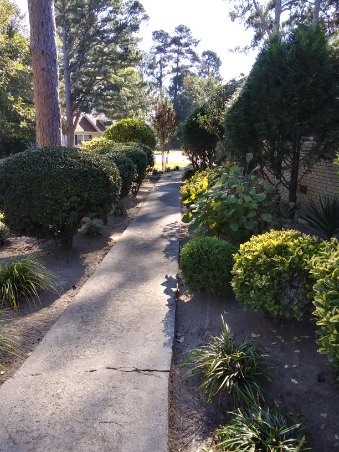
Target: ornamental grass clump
<point x="260" y="429"/>
<point x="227" y="366"/>
<point x="326" y="300"/>
<point x="21" y="280"/>
<point x="323" y="216"/>
<point x="206" y="264"/>
<point x="272" y="272"/>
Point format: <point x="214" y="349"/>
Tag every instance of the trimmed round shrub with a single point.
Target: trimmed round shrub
<point x="148" y="151"/>
<point x="131" y="130"/>
<point x="98" y="144"/>
<point x="206" y="264"/>
<point x="127" y="170"/>
<point x="272" y="272"/>
<point x="136" y="152"/>
<point x="137" y="155"/>
<point x="326" y="300"/>
<point x="45" y="193"/>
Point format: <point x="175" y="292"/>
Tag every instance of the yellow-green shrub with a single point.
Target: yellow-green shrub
<point x="272" y="272"/>
<point x="326" y="300"/>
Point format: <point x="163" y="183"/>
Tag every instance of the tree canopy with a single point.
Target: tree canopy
<point x="98" y="39"/>
<point x="289" y="100"/>
<point x="16" y="94"/>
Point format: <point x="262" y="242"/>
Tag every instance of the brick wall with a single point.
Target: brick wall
<point x="322" y="181"/>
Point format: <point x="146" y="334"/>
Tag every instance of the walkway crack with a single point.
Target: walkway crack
<point x="138" y="370"/>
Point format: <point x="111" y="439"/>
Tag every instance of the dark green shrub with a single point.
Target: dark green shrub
<point x="206" y="264"/>
<point x="323" y="216"/>
<point x="137" y="155"/>
<point x="235" y="206"/>
<point x="21" y="280"/>
<point x="326" y="300"/>
<point x="272" y="272"/>
<point x="237" y="368"/>
<point x="148" y="151"/>
<point x="198" y="144"/>
<point x="45" y="193"/>
<point x="141" y="155"/>
<point x="260" y="429"/>
<point x="127" y="170"/>
<point x="131" y="130"/>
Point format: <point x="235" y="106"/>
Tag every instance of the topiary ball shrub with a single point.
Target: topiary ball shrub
<point x="271" y="272"/>
<point x="326" y="300"/>
<point x="45" y="193"/>
<point x="138" y="157"/>
<point x="206" y="264"/>
<point x="127" y="170"/>
<point x="148" y="151"/>
<point x="131" y="130"/>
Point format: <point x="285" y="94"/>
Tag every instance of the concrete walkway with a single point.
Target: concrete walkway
<point x="99" y="379"/>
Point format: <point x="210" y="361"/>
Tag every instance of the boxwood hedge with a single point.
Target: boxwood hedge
<point x="45" y="192"/>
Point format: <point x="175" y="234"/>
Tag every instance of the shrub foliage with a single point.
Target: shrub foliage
<point x="45" y="193"/>
<point x="127" y="170"/>
<point x="206" y="264"/>
<point x="235" y="206"/>
<point x="326" y="300"/>
<point x="131" y="130"/>
<point x="272" y="272"/>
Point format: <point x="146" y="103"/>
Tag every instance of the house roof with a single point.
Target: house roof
<point x="92" y="123"/>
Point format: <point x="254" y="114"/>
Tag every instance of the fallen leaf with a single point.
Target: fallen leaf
<point x="181" y="340"/>
<point x="296" y="351"/>
<point x="286" y="366"/>
<point x="274" y="343"/>
<point x="323" y="414"/>
<point x="294" y="381"/>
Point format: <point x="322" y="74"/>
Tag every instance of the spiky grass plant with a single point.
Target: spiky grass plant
<point x="92" y="230"/>
<point x="120" y="210"/>
<point x="237" y="368"/>
<point x="260" y="429"/>
<point x="21" y="280"/>
<point x="323" y="216"/>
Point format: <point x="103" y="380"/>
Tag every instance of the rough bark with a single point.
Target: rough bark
<point x="45" y="72"/>
<point x="277" y="16"/>
<point x="316" y="12"/>
<point x="67" y="86"/>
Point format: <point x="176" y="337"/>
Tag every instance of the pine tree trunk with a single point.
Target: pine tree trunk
<point x="67" y="88"/>
<point x="277" y="16"/>
<point x="316" y="12"/>
<point x="45" y="72"/>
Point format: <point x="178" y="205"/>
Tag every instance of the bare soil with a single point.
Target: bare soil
<point x="303" y="384"/>
<point x="27" y="326"/>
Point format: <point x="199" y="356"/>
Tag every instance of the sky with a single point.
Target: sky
<point x="208" y="21"/>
